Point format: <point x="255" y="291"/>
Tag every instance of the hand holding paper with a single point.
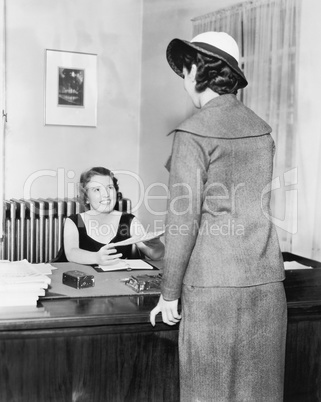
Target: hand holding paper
<point x="137" y="239"/>
<point x="107" y="254"/>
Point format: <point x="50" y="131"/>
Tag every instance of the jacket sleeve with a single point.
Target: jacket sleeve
<point x="188" y="173"/>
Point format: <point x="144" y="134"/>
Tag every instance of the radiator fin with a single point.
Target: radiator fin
<point x="33" y="228"/>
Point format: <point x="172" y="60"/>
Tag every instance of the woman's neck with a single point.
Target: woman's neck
<point x="206" y="96"/>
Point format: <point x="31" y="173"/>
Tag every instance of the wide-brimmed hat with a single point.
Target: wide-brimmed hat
<point x="216" y="44"/>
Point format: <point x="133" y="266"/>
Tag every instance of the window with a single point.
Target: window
<point x="267" y="32"/>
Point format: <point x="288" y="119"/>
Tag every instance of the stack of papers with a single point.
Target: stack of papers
<point x="21" y="283"/>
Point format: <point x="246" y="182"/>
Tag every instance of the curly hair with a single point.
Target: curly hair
<point x="86" y="176"/>
<point x="211" y="73"/>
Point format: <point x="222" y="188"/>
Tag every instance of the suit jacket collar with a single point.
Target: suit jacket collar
<point x="224" y="117"/>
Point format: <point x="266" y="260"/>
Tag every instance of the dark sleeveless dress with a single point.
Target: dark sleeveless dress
<point x="88" y="243"/>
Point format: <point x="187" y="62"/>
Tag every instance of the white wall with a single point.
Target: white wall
<point x="307" y="240"/>
<point x="164" y="102"/>
<point x="51" y="158"/>
<point x="110" y="29"/>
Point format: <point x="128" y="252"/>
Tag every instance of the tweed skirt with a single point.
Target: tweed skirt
<point x="232" y="344"/>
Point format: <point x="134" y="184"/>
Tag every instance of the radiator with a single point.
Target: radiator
<point x="34" y="228"/>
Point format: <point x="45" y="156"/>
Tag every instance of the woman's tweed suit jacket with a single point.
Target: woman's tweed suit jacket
<point x="218" y="227"/>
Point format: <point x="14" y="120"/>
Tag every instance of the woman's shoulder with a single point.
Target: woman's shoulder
<point x="126" y="217"/>
<point x="73" y="217"/>
<point x="77" y="219"/>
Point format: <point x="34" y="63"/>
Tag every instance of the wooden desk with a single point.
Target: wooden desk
<point x="104" y="349"/>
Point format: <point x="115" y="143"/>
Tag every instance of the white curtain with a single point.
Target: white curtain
<point x="2" y="108"/>
<point x="267" y="32"/>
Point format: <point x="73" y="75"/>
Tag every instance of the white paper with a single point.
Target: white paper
<point x="126" y="265"/>
<point x="44" y="268"/>
<point x="21" y="283"/>
<point x="295" y="265"/>
<point x="21" y="272"/>
<point x="138" y="239"/>
<point x="22" y="286"/>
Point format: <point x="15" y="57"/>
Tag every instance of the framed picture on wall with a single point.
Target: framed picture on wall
<point x="70" y="88"/>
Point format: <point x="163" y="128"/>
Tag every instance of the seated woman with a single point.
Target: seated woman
<point x="89" y="236"/>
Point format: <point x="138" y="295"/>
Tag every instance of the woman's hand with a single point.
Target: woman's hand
<point x="154" y="248"/>
<point x="107" y="254"/>
<point x="169" y="311"/>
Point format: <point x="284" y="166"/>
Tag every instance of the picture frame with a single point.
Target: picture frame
<point x="70" y="88"/>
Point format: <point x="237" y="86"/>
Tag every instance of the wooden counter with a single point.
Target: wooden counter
<point x="104" y="349"/>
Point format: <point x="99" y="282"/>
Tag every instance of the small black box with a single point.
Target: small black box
<point x="78" y="279"/>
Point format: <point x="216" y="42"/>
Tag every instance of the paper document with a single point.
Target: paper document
<point x="44" y="268"/>
<point x="126" y="265"/>
<point x="21" y="283"/>
<point x="21" y="272"/>
<point x="138" y="239"/>
<point x="295" y="265"/>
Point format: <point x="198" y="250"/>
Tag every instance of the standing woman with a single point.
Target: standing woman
<point x="226" y="265"/>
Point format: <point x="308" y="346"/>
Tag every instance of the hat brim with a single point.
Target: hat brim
<point x="178" y="46"/>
